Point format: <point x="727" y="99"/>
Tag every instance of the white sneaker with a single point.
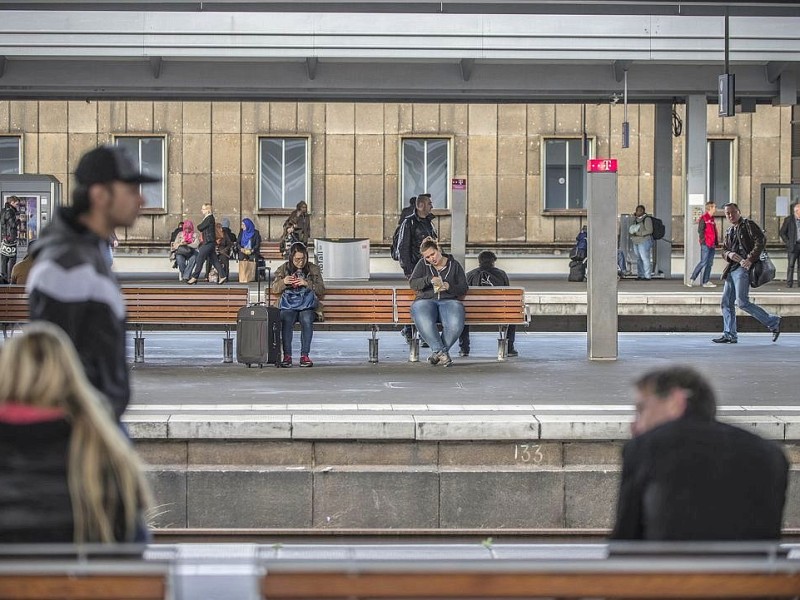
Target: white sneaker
<point x="691" y="283"/>
<point x="708" y="284"/>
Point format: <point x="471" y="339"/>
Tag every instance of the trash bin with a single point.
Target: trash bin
<point x="342" y="258"/>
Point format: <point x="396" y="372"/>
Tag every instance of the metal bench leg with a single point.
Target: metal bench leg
<point x="138" y="346"/>
<point x="413" y="349"/>
<point x="502" y="343"/>
<point x="227" y="347"/>
<point x="373" y="345"/>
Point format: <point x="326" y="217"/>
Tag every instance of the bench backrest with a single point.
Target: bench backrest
<point x="359" y="305"/>
<point x="13" y="304"/>
<point x="482" y="305"/>
<point x="189" y="305"/>
<point x="72" y="586"/>
<point x="271" y="251"/>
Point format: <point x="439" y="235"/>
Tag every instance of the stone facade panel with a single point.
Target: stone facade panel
<point x="454" y="119"/>
<point x="156" y="452"/>
<point x="53" y="153"/>
<point x="196" y="192"/>
<point x="249" y="154"/>
<point x="765" y="160"/>
<point x="482" y="209"/>
<point x="82" y="117"/>
<point x="391" y="118"/>
<point x="23" y="117"/>
<point x="175" y="154"/>
<point x="248" y="197"/>
<point x="340" y="155"/>
<point x="482" y="156"/>
<point x="541" y="119"/>
<point x="369" y="156"/>
<point x="248" y="118"/>
<point x="283" y="117"/>
<point x="79" y="144"/>
<point x="140" y="117"/>
<point x="426" y="118"/>
<point x="568" y="119"/>
<point x="30" y="150"/>
<point x="250" y="453"/>
<point x="512" y="119"/>
<point x="340" y="118"/>
<point x="369" y="118"/>
<point x="226" y="117"/>
<point x="53" y="116"/>
<point x="168" y="117"/>
<point x="602" y="487"/>
<point x="226" y="153"/>
<point x="482" y="120"/>
<point x="339" y="196"/>
<point x="391" y="155"/>
<point x="169" y="497"/>
<point x="225" y="193"/>
<point x="368" y="187"/>
<point x="5" y="116"/>
<point x="511" y="208"/>
<point x="766" y="121"/>
<point x="511" y="155"/>
<point x="196" y="117"/>
<point x="197" y="153"/>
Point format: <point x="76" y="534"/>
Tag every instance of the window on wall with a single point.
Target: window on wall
<point x="720" y="171"/>
<point x="149" y="154"/>
<point x="564" y="171"/>
<point x="10" y="155"/>
<point x="426" y="168"/>
<point x="283" y="172"/>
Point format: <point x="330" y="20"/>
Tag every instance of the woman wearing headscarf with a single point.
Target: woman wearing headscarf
<point x="249" y="243"/>
<point x="67" y="473"/>
<point x="185" y="247"/>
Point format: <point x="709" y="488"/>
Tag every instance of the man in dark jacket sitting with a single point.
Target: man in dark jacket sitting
<point x="686" y="476"/>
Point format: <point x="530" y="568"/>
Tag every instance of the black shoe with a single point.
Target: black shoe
<point x="789" y="284"/>
<point x="776" y="332"/>
<point x="425" y="344"/>
<point x="463" y="353"/>
<point x="724" y="340"/>
<point x="512" y="353"/>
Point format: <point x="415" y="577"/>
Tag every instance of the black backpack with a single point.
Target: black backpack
<point x="488" y="279"/>
<point x="658" y="228"/>
<point x="396" y="243"/>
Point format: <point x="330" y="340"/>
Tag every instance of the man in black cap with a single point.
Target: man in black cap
<point x="71" y="283"/>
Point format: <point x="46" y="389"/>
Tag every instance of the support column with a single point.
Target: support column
<point x="662" y="159"/>
<point x="458" y="220"/>
<point x="601" y="308"/>
<point x="696" y="178"/>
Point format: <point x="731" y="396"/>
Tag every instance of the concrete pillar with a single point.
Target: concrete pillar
<point x="696" y="178"/>
<point x="458" y="220"/>
<point x="662" y="159"/>
<point x="601" y="310"/>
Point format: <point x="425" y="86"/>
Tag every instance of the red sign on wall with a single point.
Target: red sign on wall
<point x="601" y="165"/>
<point x="459" y="184"/>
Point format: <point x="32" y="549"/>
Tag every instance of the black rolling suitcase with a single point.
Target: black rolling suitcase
<point x="258" y="331"/>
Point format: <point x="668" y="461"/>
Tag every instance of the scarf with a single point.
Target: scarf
<point x="188" y="231"/>
<point x="247" y="233"/>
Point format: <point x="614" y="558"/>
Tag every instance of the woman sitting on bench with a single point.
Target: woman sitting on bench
<point x="439" y="281"/>
<point x="67" y="473"/>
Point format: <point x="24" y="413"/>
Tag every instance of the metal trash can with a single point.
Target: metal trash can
<point x="342" y="258"/>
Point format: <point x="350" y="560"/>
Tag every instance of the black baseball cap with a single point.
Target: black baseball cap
<point x="110" y="163"/>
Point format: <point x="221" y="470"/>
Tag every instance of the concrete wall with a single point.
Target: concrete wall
<point x="393" y="485"/>
<point x="354" y="149"/>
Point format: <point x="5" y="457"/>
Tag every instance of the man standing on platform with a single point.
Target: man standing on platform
<point x="744" y="242"/>
<point x="641" y="232"/>
<point x="790" y="234"/>
<point x="686" y="476"/>
<point x="707" y="233"/>
<point x="71" y="283"/>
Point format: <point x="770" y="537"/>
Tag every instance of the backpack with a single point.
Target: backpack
<point x="395" y="250"/>
<point x="488" y="279"/>
<point x="577" y="270"/>
<point x="658" y="227"/>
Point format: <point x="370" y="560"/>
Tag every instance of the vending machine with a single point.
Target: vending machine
<point x="39" y="196"/>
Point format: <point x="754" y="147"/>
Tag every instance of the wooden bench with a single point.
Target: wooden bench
<point x="271" y="251"/>
<point x="483" y="306"/>
<point x="187" y="307"/>
<point x="368" y="307"/>
<point x="154" y="307"/>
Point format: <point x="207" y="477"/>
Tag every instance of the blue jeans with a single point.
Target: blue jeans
<point x="736" y="292"/>
<point x="428" y="312"/>
<point x="186" y="264"/>
<point x="705" y="264"/>
<point x="306" y="319"/>
<point x="644" y="259"/>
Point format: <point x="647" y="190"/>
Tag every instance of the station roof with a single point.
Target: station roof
<point x="417" y="50"/>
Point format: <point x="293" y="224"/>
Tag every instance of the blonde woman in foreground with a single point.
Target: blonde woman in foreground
<point x="67" y="474"/>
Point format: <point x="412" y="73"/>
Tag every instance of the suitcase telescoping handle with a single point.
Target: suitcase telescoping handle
<point x="268" y="278"/>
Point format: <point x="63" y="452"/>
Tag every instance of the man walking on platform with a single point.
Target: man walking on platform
<point x="744" y="242"/>
<point x="686" y="476"/>
<point x="790" y="234"/>
<point x="71" y="283"/>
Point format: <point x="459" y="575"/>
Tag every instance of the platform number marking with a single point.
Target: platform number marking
<point x="528" y="453"/>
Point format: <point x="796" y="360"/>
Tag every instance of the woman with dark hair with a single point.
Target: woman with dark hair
<point x="299" y="286"/>
<point x="439" y="281"/>
<point x="302" y="221"/>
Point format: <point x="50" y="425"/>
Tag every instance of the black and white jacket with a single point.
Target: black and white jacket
<point x="72" y="285"/>
<point x="453" y="274"/>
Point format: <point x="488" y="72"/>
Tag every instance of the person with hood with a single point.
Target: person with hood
<point x="67" y="473"/>
<point x="299" y="287"/>
<point x="249" y="244"/>
<point x="440" y="282"/>
<point x="9" y="233"/>
<point x="208" y="247"/>
<point x="290" y="237"/>
<point x="225" y="243"/>
<point x="185" y="248"/>
<point x="487" y="275"/>
<point x="71" y="283"/>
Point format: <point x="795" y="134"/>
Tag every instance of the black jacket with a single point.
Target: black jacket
<point x="453" y="274"/>
<point x="9" y="224"/>
<point x="72" y="285"/>
<point x="487" y="277"/>
<point x="752" y="239"/>
<point x="693" y="479"/>
<point x="413" y="231"/>
<point x="35" y="505"/>
<point x="255" y="244"/>
<point x="207" y="229"/>
<point x="789" y="232"/>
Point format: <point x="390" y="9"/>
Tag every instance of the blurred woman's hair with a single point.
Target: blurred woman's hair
<point x="40" y="368"/>
<point x="429" y="243"/>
